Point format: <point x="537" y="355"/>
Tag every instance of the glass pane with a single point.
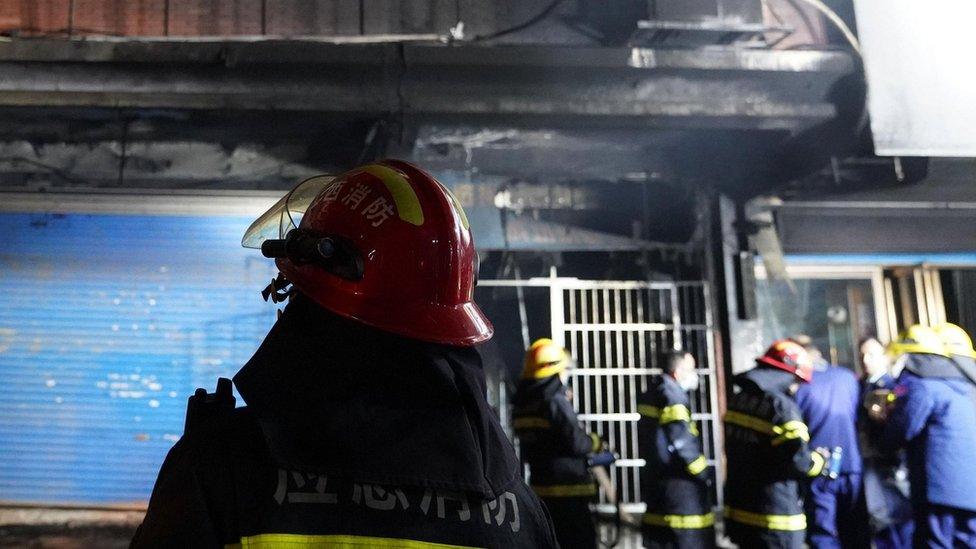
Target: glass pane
<point x="835" y="313"/>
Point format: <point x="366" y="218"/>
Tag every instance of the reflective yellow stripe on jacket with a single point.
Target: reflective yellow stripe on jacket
<point x="675" y="412"/>
<point x="697" y="466"/>
<point x="668" y="414"/>
<point x="303" y="541"/>
<point x="565" y="490"/>
<point x="794" y="429"/>
<point x="791" y="523"/>
<point x="683" y="522"/>
<point x="531" y="422"/>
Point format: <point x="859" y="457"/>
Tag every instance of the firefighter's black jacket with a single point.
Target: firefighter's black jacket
<point x="767" y="451"/>
<point x="351" y="436"/>
<point x="674" y="479"/>
<point x="552" y="441"/>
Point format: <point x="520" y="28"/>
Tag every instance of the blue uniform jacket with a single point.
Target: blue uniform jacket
<point x="829" y="406"/>
<point x="935" y="419"/>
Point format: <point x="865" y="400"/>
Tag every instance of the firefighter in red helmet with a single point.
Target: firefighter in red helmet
<point x="767" y="451"/>
<point x="366" y="421"/>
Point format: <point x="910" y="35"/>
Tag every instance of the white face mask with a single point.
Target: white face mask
<point x="689" y="382"/>
<point x="564" y="377"/>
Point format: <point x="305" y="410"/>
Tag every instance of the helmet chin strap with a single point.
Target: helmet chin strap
<point x="279" y="290"/>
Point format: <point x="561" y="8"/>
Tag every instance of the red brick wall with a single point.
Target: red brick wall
<point x="178" y="17"/>
<point x="256" y="17"/>
<point x="34" y="17"/>
<point x="119" y="17"/>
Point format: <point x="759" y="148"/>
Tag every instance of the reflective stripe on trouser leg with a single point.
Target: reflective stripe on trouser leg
<point x="679" y="521"/>
<point x="789" y="523"/>
<point x="565" y="490"/>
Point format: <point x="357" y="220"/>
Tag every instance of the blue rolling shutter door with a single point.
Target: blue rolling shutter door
<point x="107" y="324"/>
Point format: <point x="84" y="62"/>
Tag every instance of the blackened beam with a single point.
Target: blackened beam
<point x="749" y="89"/>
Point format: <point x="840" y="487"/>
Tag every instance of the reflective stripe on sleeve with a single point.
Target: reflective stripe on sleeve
<point x="668" y="414"/>
<point x="531" y="422"/>
<point x="749" y="422"/>
<point x="596" y="443"/>
<point x="649" y="411"/>
<point x="565" y="490"/>
<point x="697" y="466"/>
<point x="683" y="522"/>
<point x="818" y="464"/>
<point x="790" y="523"/>
<point x="675" y="412"/>
<point x="303" y="541"/>
<point x="791" y="430"/>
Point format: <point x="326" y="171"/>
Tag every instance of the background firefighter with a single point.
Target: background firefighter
<point x="767" y="451"/>
<point x="554" y="445"/>
<point x="676" y="481"/>
<point x="934" y="419"/>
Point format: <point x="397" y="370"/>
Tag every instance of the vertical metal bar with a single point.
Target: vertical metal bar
<point x="520" y="299"/>
<point x="615" y="386"/>
<point x="678" y="344"/>
<point x="923" y="312"/>
<point x="600" y="340"/>
<point x="556" y="313"/>
<point x="572" y="306"/>
<point x="631" y="337"/>
<point x="595" y="361"/>
<point x="891" y="311"/>
<point x="880" y="305"/>
<point x="937" y="297"/>
<point x="716" y="430"/>
<point x="641" y="317"/>
<point x="638" y="383"/>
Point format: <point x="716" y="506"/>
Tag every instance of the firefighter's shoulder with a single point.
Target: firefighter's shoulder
<point x="231" y="435"/>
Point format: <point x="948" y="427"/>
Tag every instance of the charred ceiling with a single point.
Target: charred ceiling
<point x="629" y="135"/>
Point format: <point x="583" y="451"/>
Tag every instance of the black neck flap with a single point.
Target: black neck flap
<point x="337" y="397"/>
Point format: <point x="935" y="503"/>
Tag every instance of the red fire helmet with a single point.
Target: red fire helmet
<point x="384" y="244"/>
<point x="790" y="356"/>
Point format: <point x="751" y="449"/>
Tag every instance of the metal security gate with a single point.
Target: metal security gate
<point x="616" y="331"/>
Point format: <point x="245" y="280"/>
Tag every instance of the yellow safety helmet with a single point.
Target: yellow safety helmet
<point x="955" y="340"/>
<point x="917" y="339"/>
<point x="543" y="359"/>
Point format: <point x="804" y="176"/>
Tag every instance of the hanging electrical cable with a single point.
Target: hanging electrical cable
<point x="832" y="16"/>
<point x="521" y="26"/>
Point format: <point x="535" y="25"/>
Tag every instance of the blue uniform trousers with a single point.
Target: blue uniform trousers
<point x="895" y="536"/>
<point x="889" y="509"/>
<point x="836" y="513"/>
<point x="938" y="526"/>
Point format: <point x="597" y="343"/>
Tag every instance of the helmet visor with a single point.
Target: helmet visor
<point x="287" y="213"/>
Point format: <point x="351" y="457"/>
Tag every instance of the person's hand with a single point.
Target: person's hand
<point x="602" y="458"/>
<point x="825" y="453"/>
<point x="878" y="413"/>
<point x="878" y="404"/>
